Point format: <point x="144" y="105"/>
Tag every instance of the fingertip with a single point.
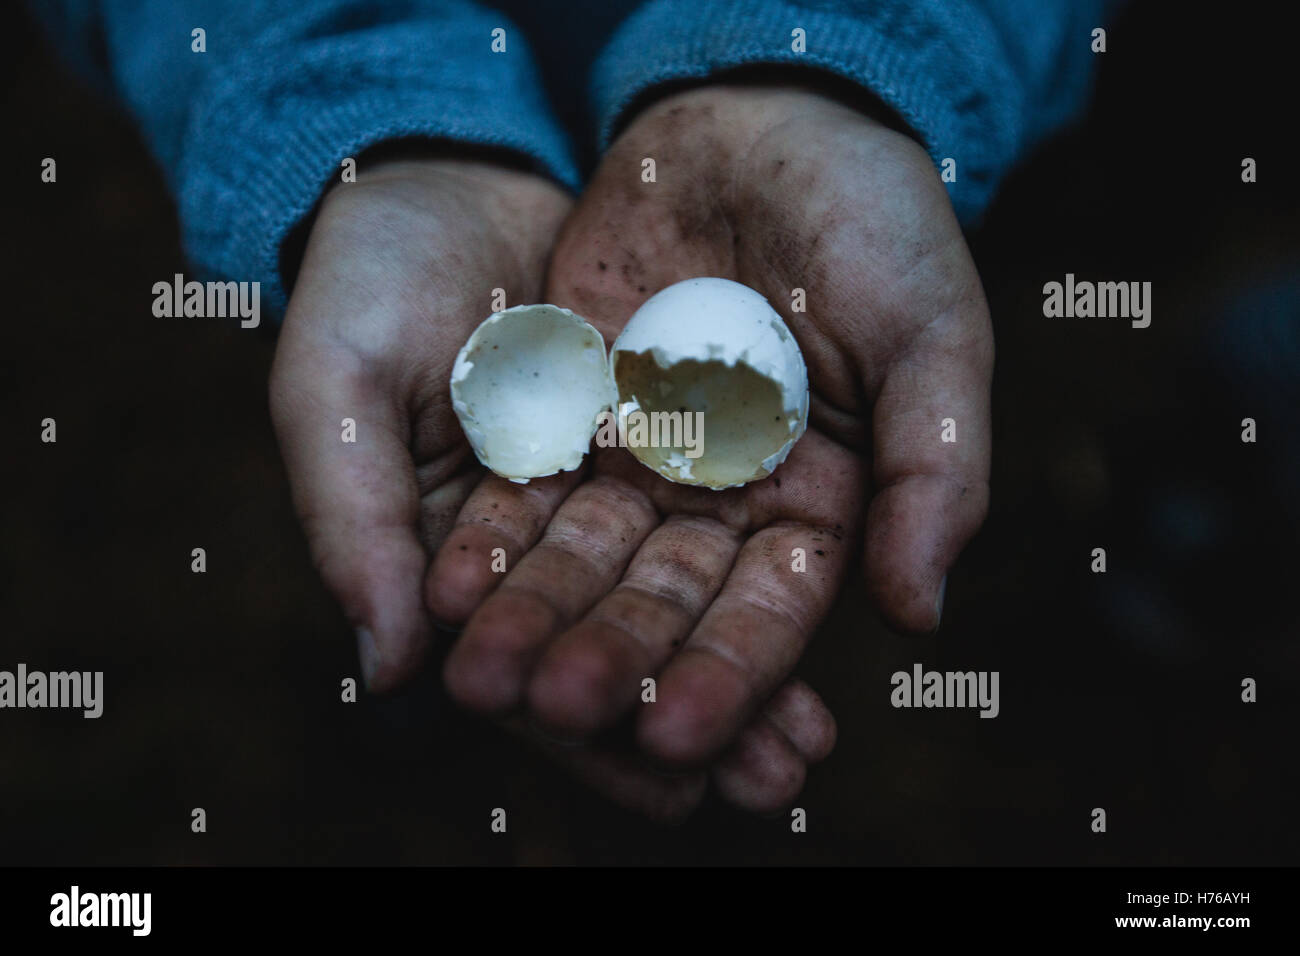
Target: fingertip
<point x="379" y="591"/>
<point x="461" y="575"/>
<point x="477" y="682"/>
<point x="487" y="669"/>
<point x="762" y="773"/>
<point x="802" y="716"/>
<point x="574" y="689"/>
<point x="701" y="703"/>
<point x="387" y="665"/>
<point x="905" y="607"/>
<point x="676" y="736"/>
<point x="826" y="745"/>
<point x="915" y="531"/>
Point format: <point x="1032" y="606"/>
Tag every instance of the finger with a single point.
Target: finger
<point x="624" y="778"/>
<point x="764" y="771"/>
<point x="761" y="772"/>
<point x="745" y="645"/>
<point x="578" y="560"/>
<point x="357" y="499"/>
<point x="933" y="442"/>
<point x="498" y="514"/>
<point x="440" y="507"/>
<point x="593" y="673"/>
<point x="802" y="716"/>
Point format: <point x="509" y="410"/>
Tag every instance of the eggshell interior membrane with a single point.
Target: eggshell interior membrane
<point x="528" y="388"/>
<point x="717" y="347"/>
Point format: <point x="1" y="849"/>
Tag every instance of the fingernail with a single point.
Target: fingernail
<point x="368" y="654"/>
<point x="938" y="602"/>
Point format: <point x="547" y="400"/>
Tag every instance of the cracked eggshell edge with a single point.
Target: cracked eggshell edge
<point x="474" y="429"/>
<point x="737" y="337"/>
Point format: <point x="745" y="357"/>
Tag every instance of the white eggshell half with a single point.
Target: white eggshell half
<point x="717" y="347"/>
<point x="528" y="387"/>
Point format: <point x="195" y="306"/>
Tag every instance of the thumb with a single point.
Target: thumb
<point x="343" y="434"/>
<point x="933" y="444"/>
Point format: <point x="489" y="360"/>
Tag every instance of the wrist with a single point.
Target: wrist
<point x="733" y="110"/>
<point x="735" y="135"/>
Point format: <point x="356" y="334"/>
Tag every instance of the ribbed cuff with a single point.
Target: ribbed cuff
<point x="270" y="130"/>
<point x="937" y="63"/>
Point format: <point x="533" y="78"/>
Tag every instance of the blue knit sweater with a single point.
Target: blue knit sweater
<point x="250" y="131"/>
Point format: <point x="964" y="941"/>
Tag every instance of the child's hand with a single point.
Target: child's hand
<point x="399" y="269"/>
<point x="624" y="575"/>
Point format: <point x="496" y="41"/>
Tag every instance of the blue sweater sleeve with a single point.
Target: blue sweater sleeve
<point x="976" y="80"/>
<point x="250" y="132"/>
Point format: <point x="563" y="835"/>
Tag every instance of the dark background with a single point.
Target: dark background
<point x="1119" y="690"/>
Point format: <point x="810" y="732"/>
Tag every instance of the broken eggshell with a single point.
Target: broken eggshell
<point x="529" y="387"/>
<point x="532" y="383"/>
<point x="715" y="347"/>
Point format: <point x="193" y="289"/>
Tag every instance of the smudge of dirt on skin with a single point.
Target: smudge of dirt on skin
<point x="692" y="575"/>
<point x="782" y="250"/>
<point x="670" y="121"/>
<point x="700" y="217"/>
<point x="595" y="300"/>
<point x="792" y="255"/>
<point x="697" y="200"/>
<point x="632" y="268"/>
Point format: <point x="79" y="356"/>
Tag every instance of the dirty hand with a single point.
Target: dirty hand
<point x="399" y="269"/>
<point x="616" y="573"/>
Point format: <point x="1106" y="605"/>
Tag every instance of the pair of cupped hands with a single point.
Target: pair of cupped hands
<point x="614" y="573"/>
